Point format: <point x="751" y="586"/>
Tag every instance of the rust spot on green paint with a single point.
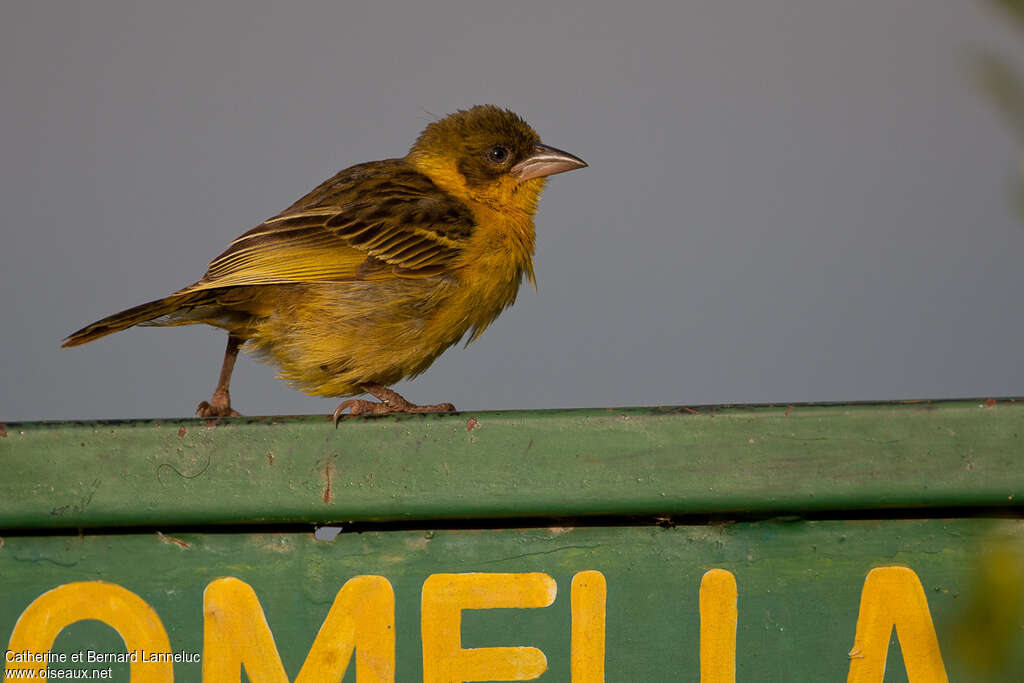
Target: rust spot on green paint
<point x="471" y="424"/>
<point x="327" y="486"/>
<point x="181" y="430"/>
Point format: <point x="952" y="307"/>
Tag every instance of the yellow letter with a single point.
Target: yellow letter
<point x="892" y="596"/>
<point x="444" y="598"/>
<point x="718" y="615"/>
<point x="124" y="611"/>
<point x="236" y="634"/>
<point x="587" y="600"/>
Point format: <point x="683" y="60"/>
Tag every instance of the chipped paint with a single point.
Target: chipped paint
<point x="171" y="540"/>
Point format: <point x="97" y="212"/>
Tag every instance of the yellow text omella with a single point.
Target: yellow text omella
<point x="361" y="621"/>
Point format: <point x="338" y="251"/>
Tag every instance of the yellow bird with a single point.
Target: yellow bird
<point x="372" y="275"/>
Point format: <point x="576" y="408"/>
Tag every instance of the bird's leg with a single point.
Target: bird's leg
<point x="219" y="404"/>
<point x="390" y="402"/>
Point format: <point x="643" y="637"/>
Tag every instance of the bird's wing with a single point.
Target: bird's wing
<point x="382" y="219"/>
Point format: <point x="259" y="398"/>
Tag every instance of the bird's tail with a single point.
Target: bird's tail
<point x="136" y="315"/>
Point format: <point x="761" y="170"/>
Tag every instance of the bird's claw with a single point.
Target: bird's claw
<point x="206" y="409"/>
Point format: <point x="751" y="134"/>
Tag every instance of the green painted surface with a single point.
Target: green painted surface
<point x="799" y="588"/>
<point x="514" y="464"/>
<point x="799" y="581"/>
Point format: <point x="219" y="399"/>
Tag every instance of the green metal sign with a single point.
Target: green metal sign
<point x="811" y="543"/>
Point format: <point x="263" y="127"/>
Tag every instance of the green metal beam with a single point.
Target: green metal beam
<point x="567" y="463"/>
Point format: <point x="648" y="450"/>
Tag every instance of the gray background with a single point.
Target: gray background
<point x="788" y="200"/>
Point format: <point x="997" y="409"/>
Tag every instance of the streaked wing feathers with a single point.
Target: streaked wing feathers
<point x="384" y="211"/>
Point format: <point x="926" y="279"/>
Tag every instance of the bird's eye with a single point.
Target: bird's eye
<point x="497" y="154"/>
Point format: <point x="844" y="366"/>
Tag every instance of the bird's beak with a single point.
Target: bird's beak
<point x="545" y="161"/>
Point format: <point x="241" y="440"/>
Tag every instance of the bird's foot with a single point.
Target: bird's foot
<point x="390" y="402"/>
<point x="358" y="406"/>
<point x="219" y="405"/>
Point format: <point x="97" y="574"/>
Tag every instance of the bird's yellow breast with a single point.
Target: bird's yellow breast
<point x="499" y="252"/>
<point x="498" y="256"/>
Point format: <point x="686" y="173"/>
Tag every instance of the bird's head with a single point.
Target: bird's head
<point x="489" y="155"/>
